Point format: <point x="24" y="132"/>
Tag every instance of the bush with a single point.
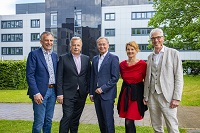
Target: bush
<point x="13" y="75"/>
<point x="191" y="67"/>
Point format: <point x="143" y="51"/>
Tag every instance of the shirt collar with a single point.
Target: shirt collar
<point x="103" y="55"/>
<point x="45" y="52"/>
<point x="161" y="51"/>
<point x="76" y="56"/>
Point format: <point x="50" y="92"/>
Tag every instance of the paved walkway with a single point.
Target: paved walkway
<point x="188" y="116"/>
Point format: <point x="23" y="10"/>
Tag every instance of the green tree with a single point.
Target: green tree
<point x="180" y="21"/>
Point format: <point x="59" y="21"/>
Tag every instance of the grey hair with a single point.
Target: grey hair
<point x="156" y="30"/>
<point x="75" y="38"/>
<point x="102" y="38"/>
<point x="45" y="33"/>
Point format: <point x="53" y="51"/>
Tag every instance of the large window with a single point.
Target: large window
<point x="12" y="50"/>
<point x="111" y="47"/>
<point x="140" y="31"/>
<point x="54" y="19"/>
<point x="142" y="15"/>
<point x="11" y="24"/>
<point x="12" y="37"/>
<point x="109" y="32"/>
<point x="109" y="16"/>
<point x="35" y="36"/>
<point x="35" y="23"/>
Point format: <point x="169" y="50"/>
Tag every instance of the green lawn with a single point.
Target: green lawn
<point x="191" y="93"/>
<point x="19" y="126"/>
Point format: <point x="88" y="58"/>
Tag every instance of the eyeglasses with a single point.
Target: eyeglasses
<point x="158" y="38"/>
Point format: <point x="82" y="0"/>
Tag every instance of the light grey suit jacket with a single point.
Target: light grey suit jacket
<point x="171" y="75"/>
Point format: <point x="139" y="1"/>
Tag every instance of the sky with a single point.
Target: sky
<point x="7" y="7"/>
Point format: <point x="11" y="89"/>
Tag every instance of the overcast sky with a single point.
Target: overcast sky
<point x="7" y="7"/>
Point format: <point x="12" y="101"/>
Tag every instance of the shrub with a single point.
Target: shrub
<point x="13" y="75"/>
<point x="191" y="67"/>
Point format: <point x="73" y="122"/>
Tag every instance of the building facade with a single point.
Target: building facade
<point x="20" y="33"/>
<point x="121" y="21"/>
<point x="122" y="24"/>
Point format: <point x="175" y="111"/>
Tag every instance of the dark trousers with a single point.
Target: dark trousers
<point x="72" y="110"/>
<point x="105" y="112"/>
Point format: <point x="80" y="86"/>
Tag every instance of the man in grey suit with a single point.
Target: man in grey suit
<point x="163" y="84"/>
<point x="103" y="88"/>
<point x="72" y="85"/>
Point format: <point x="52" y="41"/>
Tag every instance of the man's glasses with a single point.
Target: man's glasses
<point x="158" y="38"/>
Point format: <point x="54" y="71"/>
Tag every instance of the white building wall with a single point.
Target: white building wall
<point x="123" y="25"/>
<point x="26" y="31"/>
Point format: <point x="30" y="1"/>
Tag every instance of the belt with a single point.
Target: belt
<point x="51" y="85"/>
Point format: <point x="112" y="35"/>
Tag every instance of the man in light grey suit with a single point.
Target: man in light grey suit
<point x="163" y="84"/>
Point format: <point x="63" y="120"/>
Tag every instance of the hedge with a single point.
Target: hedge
<point x="191" y="67"/>
<point x="13" y="75"/>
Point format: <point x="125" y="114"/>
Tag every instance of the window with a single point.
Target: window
<point x="35" y="36"/>
<point x="112" y="48"/>
<point x="12" y="37"/>
<point x="12" y="50"/>
<point x="140" y="31"/>
<point x="109" y="16"/>
<point x="142" y="15"/>
<point x="35" y="23"/>
<point x="34" y="48"/>
<point x="11" y="24"/>
<point x="143" y="47"/>
<point x="109" y="32"/>
<point x="54" y="19"/>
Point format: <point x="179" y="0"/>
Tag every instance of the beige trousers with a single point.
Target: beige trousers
<point x="159" y="108"/>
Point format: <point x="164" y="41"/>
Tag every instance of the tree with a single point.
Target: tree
<point x="180" y="21"/>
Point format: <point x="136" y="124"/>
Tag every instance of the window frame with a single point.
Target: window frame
<point x="108" y="17"/>
<point x="37" y="36"/>
<point x="110" y="48"/>
<point x="12" y="51"/>
<point x="140" y="31"/>
<point x="142" y="15"/>
<point x="110" y="31"/>
<point x="11" y="24"/>
<point x="17" y="37"/>
<point x="36" y="23"/>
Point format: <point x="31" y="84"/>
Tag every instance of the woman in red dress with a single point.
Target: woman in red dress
<point x="130" y="105"/>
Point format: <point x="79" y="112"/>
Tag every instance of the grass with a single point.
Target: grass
<point x="190" y="97"/>
<point x="19" y="126"/>
<point x="191" y="93"/>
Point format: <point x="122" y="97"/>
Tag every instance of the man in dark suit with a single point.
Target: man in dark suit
<point x="103" y="89"/>
<point x="72" y="85"/>
<point x="40" y="75"/>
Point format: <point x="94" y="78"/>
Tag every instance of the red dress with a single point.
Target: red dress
<point x="131" y="75"/>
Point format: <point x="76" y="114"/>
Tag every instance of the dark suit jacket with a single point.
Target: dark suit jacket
<point x="107" y="76"/>
<point x="68" y="78"/>
<point x="37" y="74"/>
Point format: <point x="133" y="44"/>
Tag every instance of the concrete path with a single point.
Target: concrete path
<point x="188" y="116"/>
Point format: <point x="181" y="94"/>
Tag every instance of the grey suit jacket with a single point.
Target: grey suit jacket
<point x="171" y="76"/>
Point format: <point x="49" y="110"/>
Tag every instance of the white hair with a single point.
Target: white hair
<point x="156" y="30"/>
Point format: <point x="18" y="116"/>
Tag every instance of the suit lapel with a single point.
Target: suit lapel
<point x="95" y="63"/>
<point x="164" y="58"/>
<point x="82" y="63"/>
<point x="104" y="61"/>
<point x="54" y="59"/>
<point x="41" y="56"/>
<point x="72" y="62"/>
<point x="149" y="67"/>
